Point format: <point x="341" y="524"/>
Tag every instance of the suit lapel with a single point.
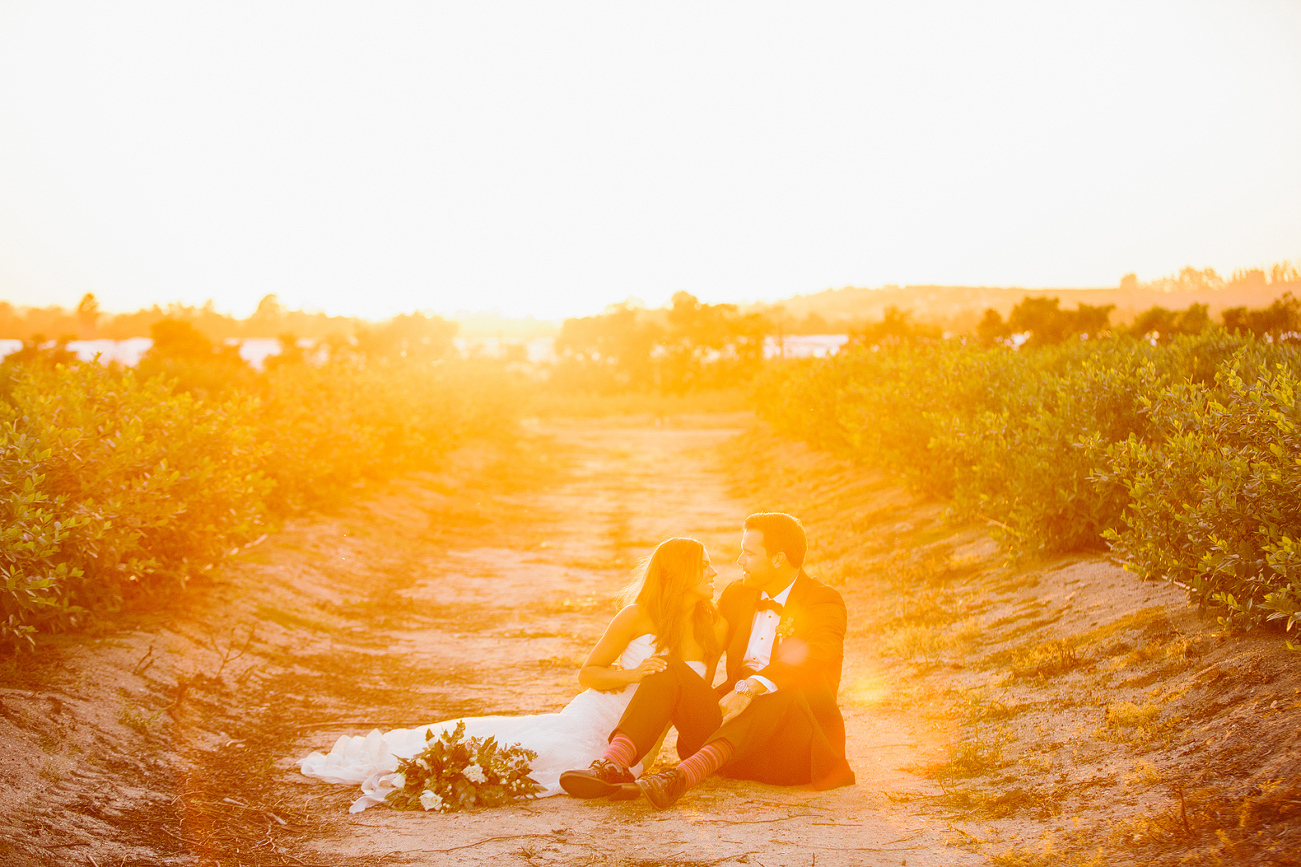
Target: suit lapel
<point x="795" y="599"/>
<point x="741" y="636"/>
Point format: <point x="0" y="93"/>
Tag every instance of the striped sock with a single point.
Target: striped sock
<point x="622" y="751"/>
<point x="707" y="761"/>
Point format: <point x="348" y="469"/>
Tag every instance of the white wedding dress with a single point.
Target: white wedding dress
<point x="573" y="738"/>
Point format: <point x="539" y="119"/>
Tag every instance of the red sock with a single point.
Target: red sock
<point x="707" y="761"/>
<point x="622" y="751"/>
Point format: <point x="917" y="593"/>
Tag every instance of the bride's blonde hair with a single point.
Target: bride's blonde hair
<point x="660" y="588"/>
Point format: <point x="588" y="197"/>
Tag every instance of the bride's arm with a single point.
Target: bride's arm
<point x="598" y="672"/>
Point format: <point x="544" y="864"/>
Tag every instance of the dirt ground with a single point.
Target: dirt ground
<point x="1013" y="714"/>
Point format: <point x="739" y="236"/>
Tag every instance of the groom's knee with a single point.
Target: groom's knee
<point x="675" y="673"/>
<point x="681" y="669"/>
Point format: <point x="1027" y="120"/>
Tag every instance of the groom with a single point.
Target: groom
<point x="775" y="718"/>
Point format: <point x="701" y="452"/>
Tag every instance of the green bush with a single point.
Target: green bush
<point x="1026" y="458"/>
<point x="1215" y="494"/>
<point x="117" y="484"/>
<point x="1182" y="456"/>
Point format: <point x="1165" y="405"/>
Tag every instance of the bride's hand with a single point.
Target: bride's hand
<point x="650" y="666"/>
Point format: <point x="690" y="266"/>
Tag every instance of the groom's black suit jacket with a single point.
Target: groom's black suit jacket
<point x="807" y="663"/>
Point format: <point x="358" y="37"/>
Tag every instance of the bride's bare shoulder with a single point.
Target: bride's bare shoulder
<point x="635" y="619"/>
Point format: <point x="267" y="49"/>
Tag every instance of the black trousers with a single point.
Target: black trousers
<point x="675" y="695"/>
<point x="772" y="740"/>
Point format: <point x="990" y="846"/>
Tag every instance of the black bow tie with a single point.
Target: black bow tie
<point x="769" y="605"/>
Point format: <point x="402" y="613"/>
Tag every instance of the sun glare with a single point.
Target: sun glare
<point x="551" y="160"/>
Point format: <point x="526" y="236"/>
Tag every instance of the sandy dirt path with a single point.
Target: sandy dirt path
<point x="520" y="604"/>
<point x="1048" y="713"/>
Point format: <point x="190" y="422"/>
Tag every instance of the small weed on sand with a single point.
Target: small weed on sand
<point x="1144" y="774"/>
<point x="1129" y="723"/>
<point x="131" y="715"/>
<point x="1045" y="660"/>
<point x="50" y="771"/>
<point x="1219" y="829"/>
<point x="1030" y="858"/>
<point x="910" y="642"/>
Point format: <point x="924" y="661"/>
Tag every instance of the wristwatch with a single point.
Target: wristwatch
<point x="744" y="687"/>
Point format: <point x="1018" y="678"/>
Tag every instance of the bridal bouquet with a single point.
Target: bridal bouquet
<point x="453" y="773"/>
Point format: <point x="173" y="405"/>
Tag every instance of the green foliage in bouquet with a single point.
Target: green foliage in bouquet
<point x="453" y="773"/>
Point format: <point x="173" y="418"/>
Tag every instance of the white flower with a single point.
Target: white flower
<point x="398" y="781"/>
<point x="431" y="801"/>
<point x="424" y="764"/>
<point x="474" y="774"/>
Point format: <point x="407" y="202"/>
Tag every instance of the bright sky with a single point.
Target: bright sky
<point x="550" y="158"/>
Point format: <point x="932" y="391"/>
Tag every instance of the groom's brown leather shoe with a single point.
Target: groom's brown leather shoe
<point x="664" y="788"/>
<point x="601" y="779"/>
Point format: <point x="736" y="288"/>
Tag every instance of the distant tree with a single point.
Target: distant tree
<point x="269" y="308"/>
<point x="1235" y="319"/>
<point x="290" y="353"/>
<point x="992" y="329"/>
<point x="184" y="354"/>
<point x="609" y="352"/>
<point x="1047" y="324"/>
<point x="88" y="314"/>
<point x="1091" y="320"/>
<point x="1189" y="279"/>
<point x="1161" y="325"/>
<point x="407" y="335"/>
<point x="11" y="322"/>
<point x="1281" y="320"/>
<point x="49" y="320"/>
<point x="1194" y="320"/>
<point x="691" y="345"/>
<point x="1284" y="272"/>
<point x="38" y="350"/>
<point x="1247" y="278"/>
<point x="1042" y="319"/>
<point x="1129" y="283"/>
<point x="1155" y="323"/>
<point x="178" y="339"/>
<point x="896" y="326"/>
<point x="134" y="324"/>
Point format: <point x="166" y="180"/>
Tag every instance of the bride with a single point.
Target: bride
<point x="671" y="617"/>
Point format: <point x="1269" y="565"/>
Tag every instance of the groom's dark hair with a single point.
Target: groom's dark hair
<point x="781" y="532"/>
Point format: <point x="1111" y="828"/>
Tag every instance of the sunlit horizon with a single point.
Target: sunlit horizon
<point x="551" y="161"/>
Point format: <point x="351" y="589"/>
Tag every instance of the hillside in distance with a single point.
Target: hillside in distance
<point x="959" y="308"/>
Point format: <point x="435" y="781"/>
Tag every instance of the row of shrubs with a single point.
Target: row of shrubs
<point x="120" y="483"/>
<point x="1183" y="458"/>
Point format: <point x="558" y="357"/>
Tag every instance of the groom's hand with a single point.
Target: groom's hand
<point x="735" y="702"/>
<point x="732" y="704"/>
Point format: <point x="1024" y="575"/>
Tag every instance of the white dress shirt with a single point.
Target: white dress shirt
<point x="763" y="635"/>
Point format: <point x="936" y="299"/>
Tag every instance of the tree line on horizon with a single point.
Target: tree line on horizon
<point x="88" y="320"/>
<point x="958" y="309"/>
<point x="688" y="346"/>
